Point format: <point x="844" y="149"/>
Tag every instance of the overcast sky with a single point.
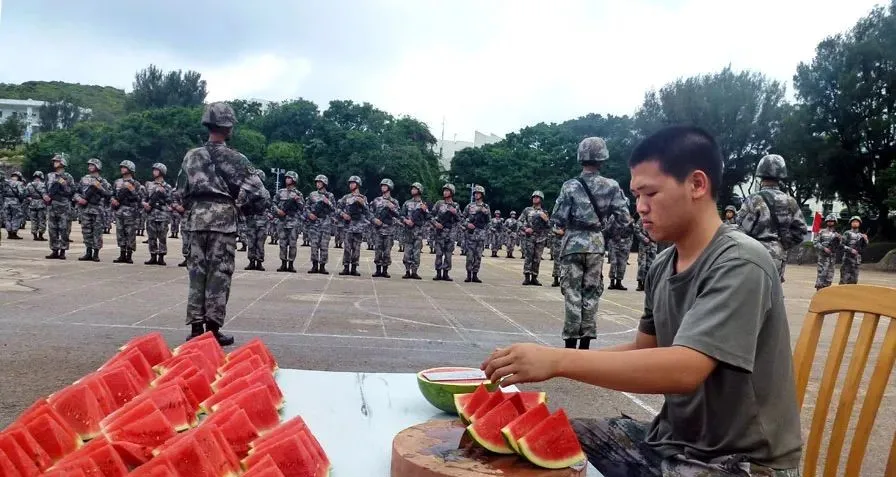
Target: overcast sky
<point x="493" y="66"/>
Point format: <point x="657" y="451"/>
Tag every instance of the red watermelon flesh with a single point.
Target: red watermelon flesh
<point x="232" y="389"/>
<point x="292" y="426"/>
<point x="552" y="443"/>
<point x="19" y="459"/>
<point x="209" y="348"/>
<point x="55" y="441"/>
<point x="312" y="446"/>
<point x="260" y="410"/>
<point x="231" y="457"/>
<point x="264" y="468"/>
<point x="153" y="347"/>
<point x="42" y="407"/>
<point x="171" y="400"/>
<point x="109" y="462"/>
<point x="195" y="357"/>
<point x="520" y="426"/>
<point x="158" y="467"/>
<point x="199" y="385"/>
<point x="144" y="373"/>
<point x="102" y="392"/>
<point x="133" y="455"/>
<point x="236" y="427"/>
<point x="486" y="429"/>
<point x="241" y="369"/>
<point x="192" y="400"/>
<point x="66" y="473"/>
<point x="6" y="467"/>
<point x="180" y="368"/>
<point x="532" y="398"/>
<point x="291" y="457"/>
<point x="151" y="430"/>
<point x="122" y="384"/>
<point x="263" y="376"/>
<point x="493" y="400"/>
<point x="84" y="464"/>
<point x="80" y="409"/>
<point x="467" y="404"/>
<point x="31" y="447"/>
<point x="200" y="449"/>
<point x="128" y="413"/>
<point x="258" y="348"/>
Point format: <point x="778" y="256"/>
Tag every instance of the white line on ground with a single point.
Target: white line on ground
<point x="110" y="300"/>
<point x="452" y="322"/>
<point x="91" y="283"/>
<point x="180" y="303"/>
<point x="259" y="297"/>
<point x="316" y="305"/>
<point x="377" y="298"/>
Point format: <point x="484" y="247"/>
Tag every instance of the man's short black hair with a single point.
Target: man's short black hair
<point x="681" y="150"/>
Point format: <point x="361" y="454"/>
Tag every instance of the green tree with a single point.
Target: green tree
<point x="105" y="102"/>
<point x="849" y="88"/>
<point x="12" y="131"/>
<point x="290" y="121"/>
<point x="249" y="142"/>
<point x="154" y="88"/>
<point x="805" y="153"/>
<point x="62" y="114"/>
<point x="289" y="156"/>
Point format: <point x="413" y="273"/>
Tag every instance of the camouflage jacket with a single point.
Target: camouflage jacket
<point x="128" y="200"/>
<point x="826" y="239"/>
<point x="479" y="214"/>
<point x="95" y="190"/>
<point x="13" y="192"/>
<point x="158" y="197"/>
<point x="35" y="191"/>
<point x="531" y="218"/>
<point x="418" y="213"/>
<point x="853" y="241"/>
<point x="60" y="189"/>
<point x="574" y="214"/>
<point x="291" y="202"/>
<point x="641" y="235"/>
<point x="755" y="218"/>
<point x="355" y="206"/>
<point x="511" y="225"/>
<point x="254" y="209"/>
<point x="322" y="205"/>
<point x="496" y="226"/>
<point x="210" y="179"/>
<point x="387" y="211"/>
<point x="446" y="214"/>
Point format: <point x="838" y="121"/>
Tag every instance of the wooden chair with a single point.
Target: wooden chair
<point x="873" y="302"/>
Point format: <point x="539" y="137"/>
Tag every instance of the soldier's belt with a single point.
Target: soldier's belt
<point x="582" y="227"/>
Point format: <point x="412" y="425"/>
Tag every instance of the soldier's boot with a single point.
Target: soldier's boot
<point x="414" y="275"/>
<point x="528" y="279"/>
<point x="432" y="250"/>
<point x="314" y="268"/>
<point x="407" y="274"/>
<point x="445" y="277"/>
<point x="153" y="259"/>
<point x="386" y="272"/>
<point x="271" y="242"/>
<point x="556" y="282"/>
<point x="53" y="255"/>
<point x="183" y="263"/>
<point x="258" y="266"/>
<point x="612" y="284"/>
<point x="401" y="248"/>
<point x="535" y="282"/>
<point x="570" y="343"/>
<point x="290" y="266"/>
<point x="619" y="285"/>
<point x="145" y="241"/>
<point x="40" y="237"/>
<point x="176" y="234"/>
<point x="469" y="277"/>
<point x="323" y="269"/>
<point x="640" y="285"/>
<point x="35" y="237"/>
<point x="378" y="272"/>
<point x="223" y="340"/>
<point x="129" y="258"/>
<point x="345" y="270"/>
<point x="438" y="275"/>
<point x="196" y="330"/>
<point x="305" y="243"/>
<point x="172" y="235"/>
<point x="242" y="247"/>
<point x="13" y="235"/>
<point x="282" y="266"/>
<point x="251" y="265"/>
<point x="61" y="255"/>
<point x="354" y="271"/>
<point x="585" y="343"/>
<point x="475" y="278"/>
<point x="122" y="257"/>
<point x="96" y="255"/>
<point x="88" y="255"/>
<point x="509" y="255"/>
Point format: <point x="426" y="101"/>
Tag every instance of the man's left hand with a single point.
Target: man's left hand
<point x="521" y="363"/>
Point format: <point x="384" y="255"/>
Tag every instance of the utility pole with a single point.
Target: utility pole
<point x="277" y="171"/>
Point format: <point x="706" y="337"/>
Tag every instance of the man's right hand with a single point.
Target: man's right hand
<point x="280" y="213"/>
<point x="346" y="216"/>
<point x="47" y="198"/>
<point x="528" y="230"/>
<point x="130" y="186"/>
<point x="439" y="226"/>
<point x="312" y="216"/>
<point x="114" y="202"/>
<point x="471" y="226"/>
<point x="378" y="222"/>
<point x="82" y="202"/>
<point x="827" y="250"/>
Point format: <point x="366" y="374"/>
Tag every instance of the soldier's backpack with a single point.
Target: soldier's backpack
<point x="787" y="239"/>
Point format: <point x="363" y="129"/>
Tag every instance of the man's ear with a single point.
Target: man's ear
<point x="699" y="184"/>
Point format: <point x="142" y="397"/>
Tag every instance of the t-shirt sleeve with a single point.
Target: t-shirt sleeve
<point x="647" y="325"/>
<point x="728" y="313"/>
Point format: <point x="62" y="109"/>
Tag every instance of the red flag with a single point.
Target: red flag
<point x="816" y="223"/>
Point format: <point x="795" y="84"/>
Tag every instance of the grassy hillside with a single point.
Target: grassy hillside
<point x="106" y="102"/>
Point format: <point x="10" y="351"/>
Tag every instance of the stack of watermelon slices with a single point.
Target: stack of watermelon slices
<point x="140" y="412"/>
<point x="520" y="423"/>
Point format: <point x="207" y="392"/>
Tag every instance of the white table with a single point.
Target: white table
<point x="356" y="415"/>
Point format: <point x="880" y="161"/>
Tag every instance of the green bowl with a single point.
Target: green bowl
<point x="441" y="395"/>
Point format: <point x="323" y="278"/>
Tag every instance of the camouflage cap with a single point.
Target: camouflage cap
<point x="322" y="178"/>
<point x="593" y="150"/>
<point x="497" y="212"/>
<point x="538" y="193"/>
<point x="355" y="179"/>
<point x="418" y="186"/>
<point x="38" y="174"/>
<point x="219" y="114"/>
<point x="730" y="208"/>
<point x="479" y="189"/>
<point x="771" y="166"/>
<point x="61" y="158"/>
<point x="449" y="187"/>
<point x="16" y="173"/>
<point x="831" y="218"/>
<point x="130" y="165"/>
<point x="292" y="175"/>
<point x="513" y="213"/>
<point x="161" y="168"/>
<point x="388" y="182"/>
<point x="96" y="162"/>
<point x="261" y="175"/>
<point x="856" y="217"/>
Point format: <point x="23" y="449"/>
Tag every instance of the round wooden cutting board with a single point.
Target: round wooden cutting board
<point x="441" y="448"/>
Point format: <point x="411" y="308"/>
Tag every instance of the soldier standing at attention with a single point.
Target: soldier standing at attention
<point x="646" y="252"/>
<point x="255" y="211"/>
<point x="4" y="190"/>
<point x="536" y="230"/>
<point x="180" y="206"/>
<point x="770" y="215"/>
<point x="385" y="211"/>
<point x="290" y="203"/>
<point x="37" y="209"/>
<point x="211" y="178"/>
<point x="512" y="228"/>
<point x="853" y="244"/>
<point x="476" y="219"/>
<point x="496" y="228"/>
<point x="556" y="244"/>
<point x="355" y="215"/>
<point x="584" y="207"/>
<point x="157" y="204"/>
<point x="415" y="214"/>
<point x="60" y="189"/>
<point x="730" y="213"/>
<point x="175" y="218"/>
<point x="338" y="226"/>
<point x="241" y="232"/>
<point x="92" y="191"/>
<point x="620" y="248"/>
<point x="12" y="205"/>
<point x="445" y="214"/>
<point x="141" y="222"/>
<point x="319" y="213"/>
<point x="126" y="197"/>
<point x="826" y="243"/>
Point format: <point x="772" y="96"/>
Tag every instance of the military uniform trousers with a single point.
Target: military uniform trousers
<point x="616" y="448"/>
<point x="497" y="240"/>
<point x="533" y="249"/>
<point x="287" y="239"/>
<point x="382" y="250"/>
<point x="38" y="217"/>
<point x="92" y="228"/>
<point x="157" y="232"/>
<point x="444" y="245"/>
<point x="779" y="256"/>
<point x="15" y="216"/>
<point x="556" y="244"/>
<point x="646" y="256"/>
<point x="412" y="246"/>
<point x="510" y="242"/>
<point x="126" y="231"/>
<point x="210" y="266"/>
<point x="256" y="235"/>
<point x="473" y="246"/>
<point x="619" y="253"/>
<point x="351" y="252"/>
<point x="849" y="268"/>
<point x="582" y="285"/>
<point x="185" y="243"/>
<point x="319" y="232"/>
<point x="825" y="274"/>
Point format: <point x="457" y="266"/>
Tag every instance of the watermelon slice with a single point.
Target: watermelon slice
<point x="158" y="467"/>
<point x="292" y="426"/>
<point x="492" y="402"/>
<point x="466" y="404"/>
<point x="441" y="393"/>
<point x="552" y="443"/>
<point x="120" y="381"/>
<point x="31" y="447"/>
<point x="312" y="446"/>
<point x="80" y="409"/>
<point x="6" y="466"/>
<point x="199" y="386"/>
<point x="263" y="376"/>
<point x="128" y="413"/>
<point x="520" y="426"/>
<point x="180" y="368"/>
<point x="201" y="449"/>
<point x="231" y="457"/>
<point x="153" y="347"/>
<point x="19" y="459"/>
<point x="54" y="439"/>
<point x="150" y="430"/>
<point x="83" y="463"/>
<point x="171" y="400"/>
<point x="100" y="391"/>
<point x="266" y="467"/>
<point x="102" y="454"/>
<point x="290" y="456"/>
<point x="144" y="373"/>
<point x="208" y="347"/>
<point x="194" y="357"/>
<point x="257" y="404"/>
<point x="236" y="427"/>
<point x="241" y="369"/>
<point x="486" y="430"/>
<point x="66" y="473"/>
<point x="192" y="400"/>
<point x="133" y="455"/>
<point x="258" y="348"/>
<point x="42" y="407"/>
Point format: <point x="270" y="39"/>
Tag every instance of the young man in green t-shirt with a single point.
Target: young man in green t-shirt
<point x="714" y="337"/>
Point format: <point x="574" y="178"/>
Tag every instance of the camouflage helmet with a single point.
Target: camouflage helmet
<point x="322" y="178"/>
<point x="855" y="217"/>
<point x="772" y="166"/>
<point x="130" y="165"/>
<point x="538" y="194"/>
<point x="355" y="179"/>
<point x="450" y="187"/>
<point x="61" y="158"/>
<point x="388" y="182"/>
<point x="38" y="174"/>
<point x="161" y="168"/>
<point x="479" y="189"/>
<point x="831" y="218"/>
<point x="261" y="175"/>
<point x="497" y="212"/>
<point x="730" y="208"/>
<point x="16" y="173"/>
<point x="418" y="186"/>
<point x="513" y="213"/>
<point x="218" y="114"/>
<point x="593" y="150"/>
<point x="292" y="175"/>
<point x="96" y="162"/>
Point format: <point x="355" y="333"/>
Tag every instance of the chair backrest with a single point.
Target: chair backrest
<point x="874" y="302"/>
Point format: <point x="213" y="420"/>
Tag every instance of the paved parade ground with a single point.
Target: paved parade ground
<point x="62" y="319"/>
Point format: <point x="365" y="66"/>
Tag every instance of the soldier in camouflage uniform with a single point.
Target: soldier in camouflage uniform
<point x="556" y="241"/>
<point x="319" y="214"/>
<point x="127" y="195"/>
<point x="211" y="177"/>
<point x="255" y="210"/>
<point x="582" y="250"/>
<point x="175" y="220"/>
<point x="428" y="237"/>
<point x="60" y="189"/>
<point x="273" y="222"/>
<point x="770" y="215"/>
<point x="854" y="242"/>
<point x="730" y="213"/>
<point x="512" y="229"/>
<point x="180" y="206"/>
<point x="646" y="252"/>
<point x="385" y="210"/>
<point x="826" y="243"/>
<point x="355" y="214"/>
<point x="477" y="216"/>
<point x="535" y="228"/>
<point x="93" y="189"/>
<point x="338" y="227"/>
<point x="444" y="218"/>
<point x="415" y="214"/>
<point x="141" y="222"/>
<point x="13" y="194"/>
<point x="289" y="205"/>
<point x="37" y="209"/>
<point x="157" y="204"/>
<point x="241" y="232"/>
<point x="496" y="229"/>
<point x="620" y="247"/>
<point x="108" y="218"/>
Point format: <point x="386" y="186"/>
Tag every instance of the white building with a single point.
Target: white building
<point x="26" y="110"/>
<point x="447" y="149"/>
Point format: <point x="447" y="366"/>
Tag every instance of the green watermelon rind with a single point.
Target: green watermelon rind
<point x="441" y="395"/>
<point x="510" y="440"/>
<point x="560" y="463"/>
<point x="507" y="450"/>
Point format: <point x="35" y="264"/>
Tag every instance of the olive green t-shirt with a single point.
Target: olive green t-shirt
<point x="728" y="305"/>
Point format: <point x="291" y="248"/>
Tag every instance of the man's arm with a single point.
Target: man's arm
<point x="642" y="341"/>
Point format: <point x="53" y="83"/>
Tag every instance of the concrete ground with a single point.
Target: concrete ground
<point x="62" y="319"/>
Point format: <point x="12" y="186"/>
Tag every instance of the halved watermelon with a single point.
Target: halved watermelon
<point x="193" y="356"/>
<point x="208" y="347"/>
<point x="80" y="409"/>
<point x="466" y="404"/>
<point x="520" y="426"/>
<point x="54" y="439"/>
<point x="102" y="392"/>
<point x="291" y="457"/>
<point x="236" y="427"/>
<point x="153" y="347"/>
<point x="150" y="430"/>
<point x="266" y="467"/>
<point x="486" y="429"/>
<point x="492" y="402"/>
<point x="19" y="459"/>
<point x="138" y="361"/>
<point x="552" y="443"/>
<point x="29" y="445"/>
<point x="292" y="426"/>
<point x="261" y="411"/>
<point x="258" y="348"/>
<point x="241" y="369"/>
<point x="119" y="378"/>
<point x="441" y="394"/>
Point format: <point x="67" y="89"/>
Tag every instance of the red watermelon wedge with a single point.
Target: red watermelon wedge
<point x="292" y="426"/>
<point x="83" y="463"/>
<point x="188" y="393"/>
<point x="133" y="455"/>
<point x="171" y="400"/>
<point x="101" y="391"/>
<point x="236" y="427"/>
<point x="199" y="385"/>
<point x="552" y="443"/>
<point x="200" y="450"/>
<point x="266" y="467"/>
<point x="520" y="426"/>
<point x="257" y="404"/>
<point x="241" y="369"/>
<point x="19" y="460"/>
<point x="253" y="347"/>
<point x="120" y="381"/>
<point x="102" y="454"/>
<point x="492" y="402"/>
<point x="208" y="347"/>
<point x="42" y="407"/>
<point x="159" y="467"/>
<point x="31" y="447"/>
<point x="486" y="429"/>
<point x="128" y="413"/>
<point x="290" y="455"/>
<point x="80" y="409"/>
<point x="55" y="441"/>
<point x="179" y="368"/>
<point x="152" y="346"/>
<point x="263" y="376"/>
<point x="151" y="430"/>
<point x="467" y="404"/>
<point x="144" y="373"/>
<point x="194" y="357"/>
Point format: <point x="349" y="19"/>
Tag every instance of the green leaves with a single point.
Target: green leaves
<point x="11" y="131"/>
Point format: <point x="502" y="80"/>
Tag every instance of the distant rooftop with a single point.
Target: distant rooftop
<point x="22" y="102"/>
